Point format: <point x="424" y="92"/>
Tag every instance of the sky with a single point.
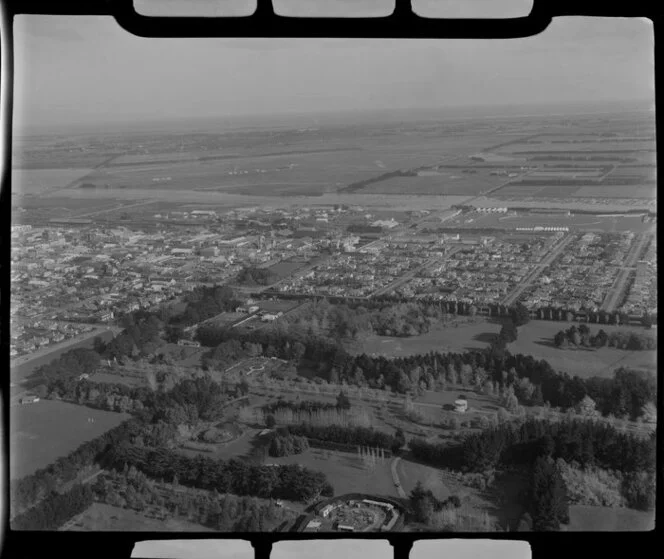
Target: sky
<point x="332" y="549"/>
<point x="87" y="70"/>
<point x="194" y="549"/>
<point x="470" y="549"/>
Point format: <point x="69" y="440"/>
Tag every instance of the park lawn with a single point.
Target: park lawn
<point x="608" y="519"/>
<point x="410" y="473"/>
<point x="107" y="518"/>
<point x="467" y="334"/>
<point x="536" y="339"/>
<point x="345" y="471"/>
<point x="238" y="448"/>
<point x="43" y="432"/>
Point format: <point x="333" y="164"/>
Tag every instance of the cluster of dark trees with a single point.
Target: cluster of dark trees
<point x="27" y="491"/>
<point x="186" y="402"/>
<point x="348" y="321"/>
<point x="233" y="476"/>
<point x="351" y="436"/>
<point x="582" y="337"/>
<point x="141" y="336"/>
<point x="55" y="509"/>
<point x="133" y="489"/>
<point x="283" y="443"/>
<point x="303" y="405"/>
<point x="205" y="302"/>
<point x="252" y="276"/>
<point x="547" y="497"/>
<point x="587" y="443"/>
<point x="70" y="364"/>
<point x="424" y="503"/>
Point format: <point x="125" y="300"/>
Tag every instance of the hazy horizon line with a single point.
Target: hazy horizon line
<point x="248" y="120"/>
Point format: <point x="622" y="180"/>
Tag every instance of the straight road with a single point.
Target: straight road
<point x="617" y="289"/>
<point x="534" y="274"/>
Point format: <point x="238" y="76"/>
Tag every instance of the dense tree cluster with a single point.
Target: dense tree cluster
<point x="186" y="402"/>
<point x="55" y="510"/>
<point x="548" y="503"/>
<point x="582" y="337"/>
<point x="352" y="436"/>
<point x="141" y="336"/>
<point x="206" y="302"/>
<point x="133" y="489"/>
<point x="253" y="276"/>
<point x="233" y="476"/>
<point x="303" y="405"/>
<point x="70" y="364"/>
<point x="424" y="503"/>
<point x="285" y="444"/>
<point x="26" y="491"/>
<point x="585" y="442"/>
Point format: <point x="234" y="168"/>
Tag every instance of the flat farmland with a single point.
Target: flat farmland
<point x="43" y="432"/>
<point x="345" y="471"/>
<point x="458" y="337"/>
<point x="536" y="339"/>
<point x="445" y="183"/>
<point x="230" y="200"/>
<point x="618" y="191"/>
<point x="37" y="181"/>
<point x="101" y="517"/>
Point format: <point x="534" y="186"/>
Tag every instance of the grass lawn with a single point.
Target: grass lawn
<point x="345" y="471"/>
<point x="457" y="336"/>
<point x="238" y="448"/>
<point x="43" y="432"/>
<point x="411" y="472"/>
<point x="607" y="519"/>
<point x="106" y="518"/>
<point x="536" y="339"/>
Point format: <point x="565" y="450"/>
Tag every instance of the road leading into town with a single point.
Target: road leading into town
<point x="537" y="270"/>
<point x="395" y="477"/>
<point x="614" y="295"/>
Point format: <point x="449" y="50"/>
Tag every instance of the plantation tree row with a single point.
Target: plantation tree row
<point x="233" y="476"/>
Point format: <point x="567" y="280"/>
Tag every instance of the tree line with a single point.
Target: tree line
<point x="585" y="442"/>
<point x="55" y="510"/>
<point x="351" y="436"/>
<point x="583" y="337"/>
<point x="291" y="482"/>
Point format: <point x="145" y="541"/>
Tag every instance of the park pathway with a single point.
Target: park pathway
<point x="395" y="477"/>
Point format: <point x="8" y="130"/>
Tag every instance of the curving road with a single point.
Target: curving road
<point x="395" y="478"/>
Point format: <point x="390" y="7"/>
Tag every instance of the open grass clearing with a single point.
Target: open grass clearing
<point x="458" y="336"/>
<point x="536" y="339"/>
<point x="43" y="432"/>
<point x="345" y="471"/>
<point x="410" y="473"/>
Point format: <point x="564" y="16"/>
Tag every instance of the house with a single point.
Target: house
<point x="461" y="405"/>
<point x="30" y="399"/>
<point x="313" y="526"/>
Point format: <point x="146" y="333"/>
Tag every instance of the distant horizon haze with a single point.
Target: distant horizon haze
<point x="73" y="71"/>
